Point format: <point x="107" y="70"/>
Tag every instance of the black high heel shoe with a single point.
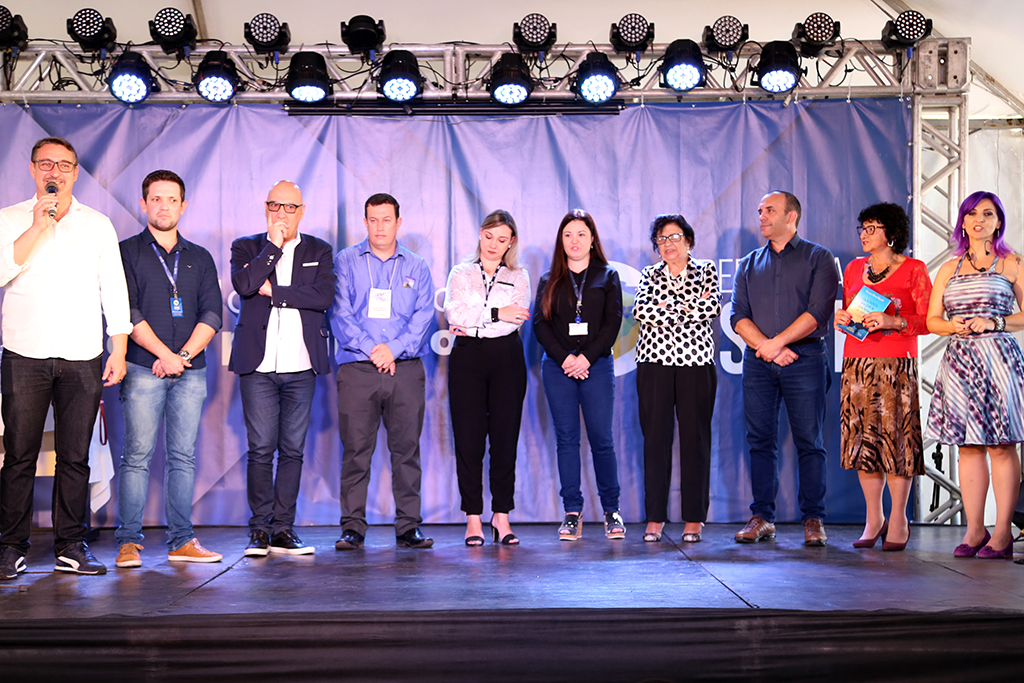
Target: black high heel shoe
<point x="507" y="539"/>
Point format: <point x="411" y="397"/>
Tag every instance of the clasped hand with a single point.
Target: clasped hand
<point x="967" y="326"/>
<point x="577" y="367"/>
<point x="774" y="351"/>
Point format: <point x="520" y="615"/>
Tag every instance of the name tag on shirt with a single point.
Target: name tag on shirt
<point x="177" y="310"/>
<point x="379" y="306"/>
<point x="578" y="329"/>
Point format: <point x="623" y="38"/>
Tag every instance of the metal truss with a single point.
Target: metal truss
<point x="456" y="74"/>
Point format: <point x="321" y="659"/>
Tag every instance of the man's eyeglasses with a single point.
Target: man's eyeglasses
<point x="273" y="207"/>
<point x="675" y="237"/>
<point x="868" y="229"/>
<point x="47" y="165"/>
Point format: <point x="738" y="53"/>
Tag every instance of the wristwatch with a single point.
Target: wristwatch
<point x="185" y="354"/>
<point x="494" y="315"/>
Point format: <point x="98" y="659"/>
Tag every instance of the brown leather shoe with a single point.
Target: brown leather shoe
<point x="757" y="529"/>
<point x="814" y="533"/>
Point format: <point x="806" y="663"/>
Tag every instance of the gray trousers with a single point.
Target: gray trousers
<point x="364" y="397"/>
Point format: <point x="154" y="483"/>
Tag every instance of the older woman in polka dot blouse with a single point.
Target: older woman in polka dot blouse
<point x="676" y="301"/>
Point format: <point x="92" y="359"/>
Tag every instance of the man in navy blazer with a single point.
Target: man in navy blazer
<point x="286" y="283"/>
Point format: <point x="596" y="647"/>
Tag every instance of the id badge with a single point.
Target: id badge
<point x="379" y="306"/>
<point x="578" y="329"/>
<point x="177" y="310"/>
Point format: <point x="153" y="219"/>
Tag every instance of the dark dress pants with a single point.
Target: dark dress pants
<point x="29" y="385"/>
<point x="486" y="388"/>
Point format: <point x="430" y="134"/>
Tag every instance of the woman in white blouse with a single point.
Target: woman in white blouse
<point x="676" y="301"/>
<point x="486" y="303"/>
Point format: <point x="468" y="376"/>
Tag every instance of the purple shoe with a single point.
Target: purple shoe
<point x="989" y="553"/>
<point x="964" y="550"/>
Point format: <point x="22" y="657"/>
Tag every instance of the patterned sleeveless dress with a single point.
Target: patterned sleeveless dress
<point x="979" y="390"/>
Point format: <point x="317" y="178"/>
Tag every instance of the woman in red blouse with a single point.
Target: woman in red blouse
<point x="880" y="423"/>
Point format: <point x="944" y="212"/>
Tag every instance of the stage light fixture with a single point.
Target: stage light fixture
<point x="131" y="79"/>
<point x="725" y="35"/>
<point x="173" y="31"/>
<point x="307" y="79"/>
<point x="510" y="81"/>
<point x="683" y="67"/>
<point x="633" y="33"/>
<point x="596" y="79"/>
<point x="91" y="31"/>
<point x="908" y="30"/>
<point x="267" y="35"/>
<point x="778" y="68"/>
<point x="400" y="78"/>
<point x="817" y="32"/>
<point x="13" y="33"/>
<point x="363" y="36"/>
<point x="534" y="33"/>
<point x="216" y="79"/>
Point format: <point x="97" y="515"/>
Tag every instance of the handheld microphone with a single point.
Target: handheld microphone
<point x="51" y="188"/>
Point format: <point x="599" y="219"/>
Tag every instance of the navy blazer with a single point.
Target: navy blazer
<point x="253" y="260"/>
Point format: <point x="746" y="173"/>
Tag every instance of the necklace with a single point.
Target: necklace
<point x="874" y="277"/>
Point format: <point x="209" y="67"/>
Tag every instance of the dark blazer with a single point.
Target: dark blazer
<point x="253" y="260"/>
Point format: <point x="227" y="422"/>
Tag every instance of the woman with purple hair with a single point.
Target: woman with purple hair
<point x="978" y="403"/>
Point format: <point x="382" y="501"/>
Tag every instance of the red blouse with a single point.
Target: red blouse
<point x="910" y="289"/>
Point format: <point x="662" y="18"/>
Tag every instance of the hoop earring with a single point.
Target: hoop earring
<point x="891" y="242"/>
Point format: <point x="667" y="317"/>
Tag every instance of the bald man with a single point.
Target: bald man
<point x="286" y="283"/>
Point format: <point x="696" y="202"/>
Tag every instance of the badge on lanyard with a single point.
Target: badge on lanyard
<point x="578" y="328"/>
<point x="379" y="305"/>
<point x="177" y="311"/>
<point x="177" y="308"/>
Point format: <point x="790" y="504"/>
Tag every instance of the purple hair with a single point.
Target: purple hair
<point x="960" y="238"/>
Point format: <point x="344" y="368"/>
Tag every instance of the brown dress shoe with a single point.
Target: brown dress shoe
<point x="757" y="529"/>
<point x="814" y="533"/>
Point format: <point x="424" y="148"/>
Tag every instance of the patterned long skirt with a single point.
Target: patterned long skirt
<point x="880" y="416"/>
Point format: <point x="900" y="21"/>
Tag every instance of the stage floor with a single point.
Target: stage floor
<point x="541" y="573"/>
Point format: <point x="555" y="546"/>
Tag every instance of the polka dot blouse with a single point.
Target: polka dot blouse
<point x="674" y="315"/>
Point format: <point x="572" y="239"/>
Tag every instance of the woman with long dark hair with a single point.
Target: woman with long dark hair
<point x="577" y="317"/>
<point x="978" y="402"/>
<point x="486" y="303"/>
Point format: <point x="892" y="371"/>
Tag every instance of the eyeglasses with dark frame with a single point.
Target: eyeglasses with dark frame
<point x="675" y="237"/>
<point x="47" y="165"/>
<point x="869" y="229"/>
<point x="273" y="207"/>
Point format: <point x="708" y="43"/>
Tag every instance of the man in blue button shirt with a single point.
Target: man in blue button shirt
<point x="381" y="318"/>
<point x="783" y="297"/>
<point x="175" y="303"/>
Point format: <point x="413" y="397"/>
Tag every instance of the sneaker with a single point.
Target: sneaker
<point x="76" y="559"/>
<point x="572" y="527"/>
<point x="12" y="563"/>
<point x="259" y="544"/>
<point x="614" y="527"/>
<point x="193" y="552"/>
<point x="128" y="556"/>
<point x="287" y="542"/>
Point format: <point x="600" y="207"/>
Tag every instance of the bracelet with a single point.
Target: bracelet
<point x="1000" y="322"/>
<point x="903" y="324"/>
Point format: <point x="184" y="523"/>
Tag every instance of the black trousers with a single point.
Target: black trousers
<point x="486" y="388"/>
<point x="688" y="391"/>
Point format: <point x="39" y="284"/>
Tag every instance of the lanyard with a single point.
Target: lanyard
<point x="173" y="278"/>
<point x="370" y="275"/>
<point x="578" y="291"/>
<point x="488" y="286"/>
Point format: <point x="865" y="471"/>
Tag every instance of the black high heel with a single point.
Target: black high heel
<point x="507" y="539"/>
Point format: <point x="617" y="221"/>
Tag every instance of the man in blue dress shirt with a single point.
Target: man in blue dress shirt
<point x="381" y="318"/>
<point x="783" y="297"/>
<point x="175" y="303"/>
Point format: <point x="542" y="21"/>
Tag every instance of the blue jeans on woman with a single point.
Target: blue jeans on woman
<point x="596" y="396"/>
<point x="145" y="398"/>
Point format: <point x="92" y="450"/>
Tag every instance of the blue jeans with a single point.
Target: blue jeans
<point x="596" y="396"/>
<point x="276" y="408"/>
<point x="145" y="398"/>
<point x="803" y="386"/>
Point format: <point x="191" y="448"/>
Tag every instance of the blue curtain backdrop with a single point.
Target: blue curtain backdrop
<point x="710" y="162"/>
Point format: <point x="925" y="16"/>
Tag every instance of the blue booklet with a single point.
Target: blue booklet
<point x="866" y="301"/>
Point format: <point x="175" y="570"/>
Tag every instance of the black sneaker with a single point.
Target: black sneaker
<point x="12" y="563"/>
<point x="76" y="559"/>
<point x="259" y="544"/>
<point x="287" y="542"/>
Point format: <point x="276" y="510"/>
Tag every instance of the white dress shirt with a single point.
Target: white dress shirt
<point x="55" y="302"/>
<point x="467" y="303"/>
<point x="286" y="347"/>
